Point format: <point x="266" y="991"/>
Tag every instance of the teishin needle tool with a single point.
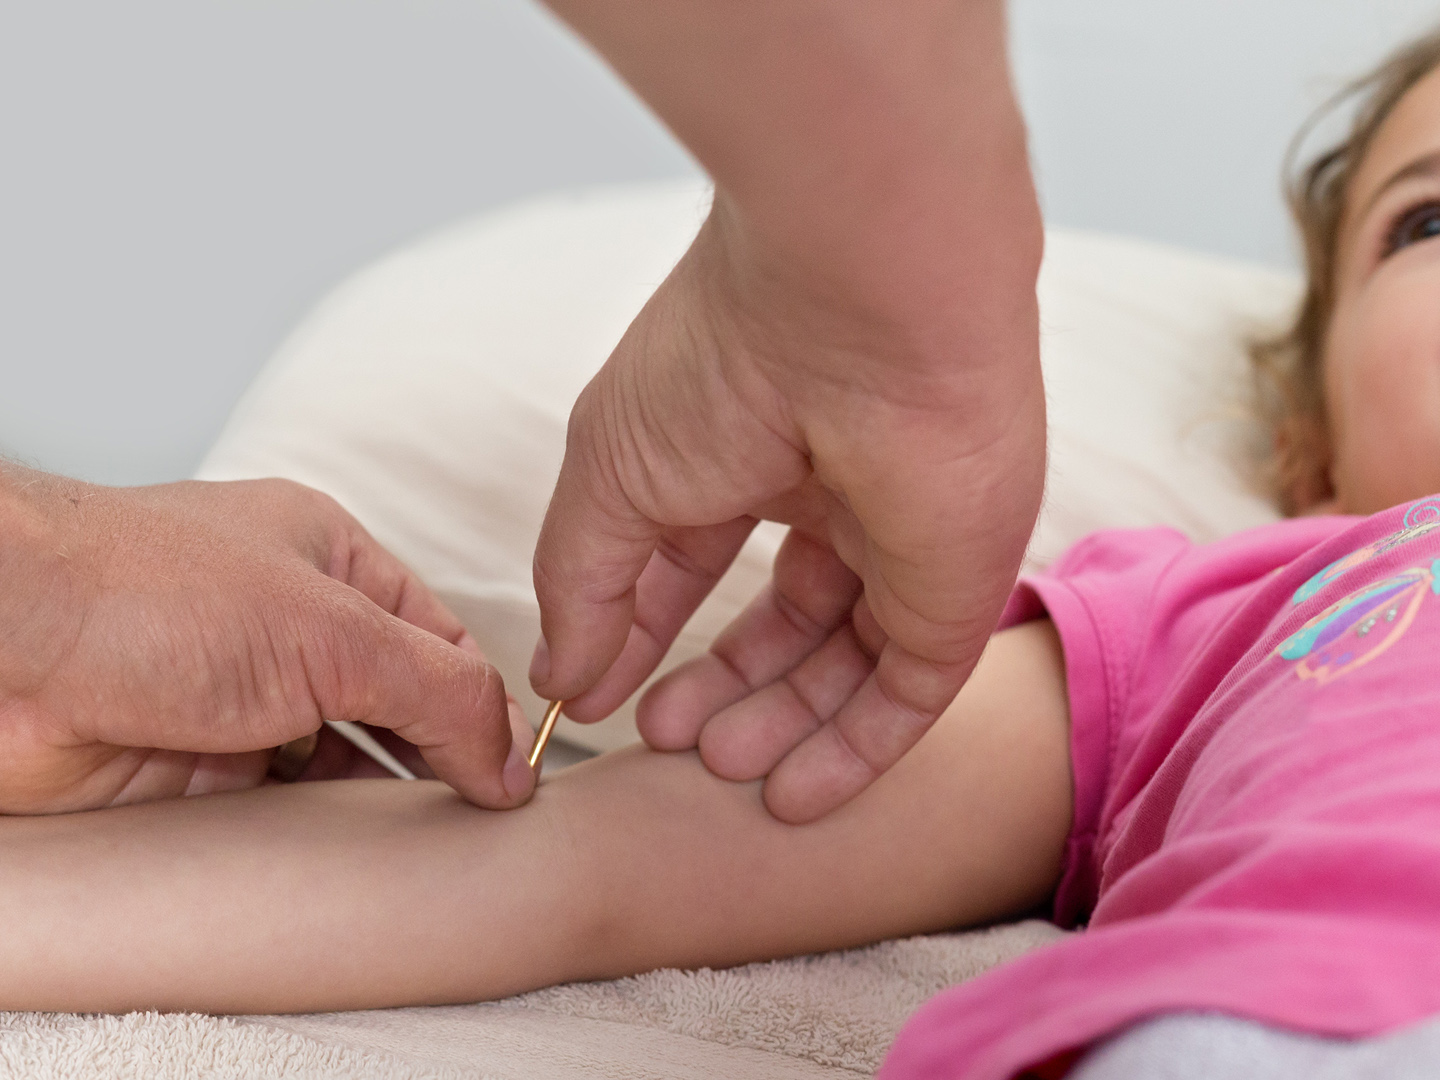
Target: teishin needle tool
<point x="547" y="727"/>
<point x="364" y="741"/>
<point x="358" y="737"/>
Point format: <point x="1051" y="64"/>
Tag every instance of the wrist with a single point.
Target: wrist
<point x="40" y="593"/>
<point x="869" y="154"/>
<point x="905" y="168"/>
<point x="952" y="310"/>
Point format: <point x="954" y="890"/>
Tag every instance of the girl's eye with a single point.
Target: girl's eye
<point x="1421" y="223"/>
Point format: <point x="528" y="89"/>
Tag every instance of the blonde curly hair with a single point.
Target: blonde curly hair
<point x="1288" y="367"/>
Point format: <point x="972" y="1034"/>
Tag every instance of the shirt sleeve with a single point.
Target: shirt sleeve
<point x="1099" y="595"/>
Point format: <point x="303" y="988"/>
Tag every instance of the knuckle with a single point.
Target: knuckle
<point x="340" y="635"/>
<point x="289" y="492"/>
<point x="799" y="620"/>
<point x="309" y="501"/>
<point x="487" y="684"/>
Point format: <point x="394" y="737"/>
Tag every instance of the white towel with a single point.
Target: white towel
<point x="827" y="1017"/>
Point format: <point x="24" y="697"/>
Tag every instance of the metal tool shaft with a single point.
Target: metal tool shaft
<point x="547" y="727"/>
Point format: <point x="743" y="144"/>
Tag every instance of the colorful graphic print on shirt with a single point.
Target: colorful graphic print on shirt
<point x="1422" y="517"/>
<point x="1361" y="626"/>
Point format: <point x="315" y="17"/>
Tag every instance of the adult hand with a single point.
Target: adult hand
<point x="162" y="641"/>
<point x="850" y="346"/>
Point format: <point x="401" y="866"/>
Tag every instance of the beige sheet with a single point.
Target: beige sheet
<point x="826" y="1017"/>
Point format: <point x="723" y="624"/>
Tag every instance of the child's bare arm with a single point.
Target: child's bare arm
<point x="370" y="893"/>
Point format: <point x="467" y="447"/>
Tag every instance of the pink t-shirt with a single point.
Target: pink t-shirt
<point x="1255" y="735"/>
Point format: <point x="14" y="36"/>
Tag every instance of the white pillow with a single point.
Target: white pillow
<point x="429" y="395"/>
<point x="1147" y="383"/>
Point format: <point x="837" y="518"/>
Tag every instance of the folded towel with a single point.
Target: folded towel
<point x="827" y="1017"/>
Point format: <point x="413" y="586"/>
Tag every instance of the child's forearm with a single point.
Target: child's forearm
<point x="354" y="894"/>
<point x="315" y="896"/>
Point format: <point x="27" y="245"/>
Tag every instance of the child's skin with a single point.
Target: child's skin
<point x="1382" y="356"/>
<point x="357" y="893"/>
<point x="367" y="893"/>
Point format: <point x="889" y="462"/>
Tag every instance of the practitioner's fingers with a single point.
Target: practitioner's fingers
<point x="143" y="775"/>
<point x="811" y="593"/>
<point x="227" y="772"/>
<point x="683" y="569"/>
<point x="363" y="564"/>
<point x="446" y="701"/>
<point x="945" y="506"/>
<point x="593" y="547"/>
<point x="872" y="731"/>
<point x="746" y="740"/>
<point x="669" y="435"/>
<point x="360" y="562"/>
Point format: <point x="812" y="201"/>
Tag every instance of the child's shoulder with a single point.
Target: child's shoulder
<point x="1134" y="577"/>
<point x="1262" y="549"/>
<point x="1124" y="582"/>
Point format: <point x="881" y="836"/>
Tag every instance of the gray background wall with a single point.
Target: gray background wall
<point x="181" y="178"/>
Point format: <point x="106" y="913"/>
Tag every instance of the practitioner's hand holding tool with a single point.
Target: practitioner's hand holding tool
<point x="850" y="347"/>
<point x="163" y="641"/>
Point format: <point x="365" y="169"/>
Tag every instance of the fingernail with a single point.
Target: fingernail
<point x="540" y="662"/>
<point x="518" y="777"/>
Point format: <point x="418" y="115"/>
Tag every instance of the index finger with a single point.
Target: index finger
<point x="593" y="547"/>
<point x="371" y="667"/>
<point x="375" y="571"/>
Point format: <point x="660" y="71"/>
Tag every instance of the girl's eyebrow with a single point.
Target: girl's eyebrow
<point x="1427" y="165"/>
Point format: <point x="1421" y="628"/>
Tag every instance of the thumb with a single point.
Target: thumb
<point x="593" y="547"/>
<point x="445" y="700"/>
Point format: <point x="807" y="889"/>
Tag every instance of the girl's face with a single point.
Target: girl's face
<point x="1382" y="353"/>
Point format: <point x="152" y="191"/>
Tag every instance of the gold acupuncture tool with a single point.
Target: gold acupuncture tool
<point x="547" y="726"/>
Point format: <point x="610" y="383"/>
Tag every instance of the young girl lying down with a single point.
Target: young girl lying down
<point x="1224" y="759"/>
